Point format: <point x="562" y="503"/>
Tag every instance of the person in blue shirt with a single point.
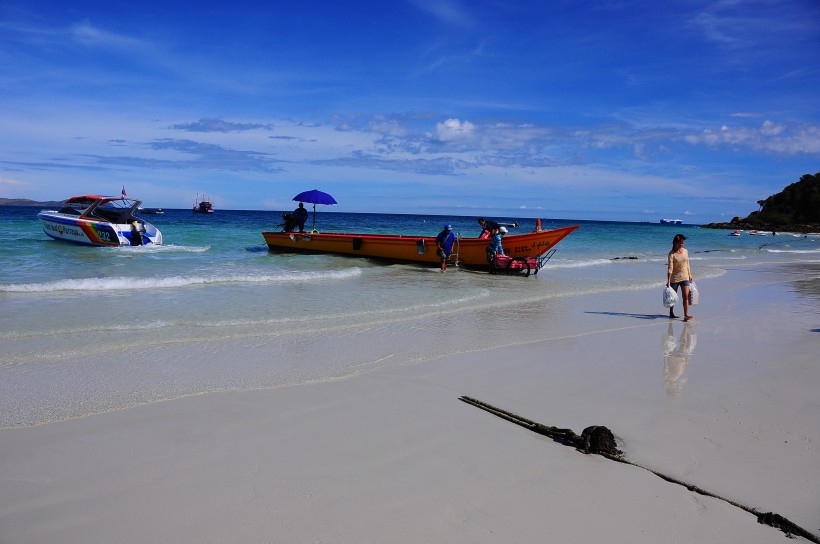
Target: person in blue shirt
<point x="301" y="215"/>
<point x="444" y="245"/>
<point x="495" y="247"/>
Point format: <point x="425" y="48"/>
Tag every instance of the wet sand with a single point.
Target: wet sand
<point x="727" y="403"/>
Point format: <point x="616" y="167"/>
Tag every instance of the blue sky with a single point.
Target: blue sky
<point x="613" y="110"/>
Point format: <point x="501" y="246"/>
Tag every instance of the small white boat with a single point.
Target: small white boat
<point x="95" y="220"/>
<point x="152" y="211"/>
<point x="735" y="233"/>
<point x="671" y="221"/>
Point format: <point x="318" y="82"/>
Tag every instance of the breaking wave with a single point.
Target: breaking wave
<point x="809" y="251"/>
<point x="578" y="264"/>
<point x="129" y="283"/>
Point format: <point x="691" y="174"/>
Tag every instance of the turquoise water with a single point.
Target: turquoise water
<point x="86" y="330"/>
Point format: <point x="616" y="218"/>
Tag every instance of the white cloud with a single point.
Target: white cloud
<point x="453" y="130"/>
<point x="770" y="136"/>
<point x="388" y="127"/>
<point x="218" y="125"/>
<point x="771" y="129"/>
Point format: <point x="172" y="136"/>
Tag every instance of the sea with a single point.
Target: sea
<point x="87" y="330"/>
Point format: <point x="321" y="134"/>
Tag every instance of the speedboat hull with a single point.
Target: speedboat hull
<point x="468" y="252"/>
<point x="96" y="221"/>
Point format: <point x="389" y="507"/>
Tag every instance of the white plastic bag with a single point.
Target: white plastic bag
<point x="691" y="342"/>
<point x="670" y="297"/>
<point x="693" y="293"/>
<point x="669" y="344"/>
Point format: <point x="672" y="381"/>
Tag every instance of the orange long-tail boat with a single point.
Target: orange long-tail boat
<point x="467" y="252"/>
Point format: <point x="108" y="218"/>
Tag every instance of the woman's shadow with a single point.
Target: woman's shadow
<point x="636" y="316"/>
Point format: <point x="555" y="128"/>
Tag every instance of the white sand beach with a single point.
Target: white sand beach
<point x="728" y="403"/>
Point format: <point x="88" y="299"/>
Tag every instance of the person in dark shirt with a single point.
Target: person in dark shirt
<point x="487" y="227"/>
<point x="301" y="215"/>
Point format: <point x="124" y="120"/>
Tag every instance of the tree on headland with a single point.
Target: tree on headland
<point x="795" y="208"/>
<point x="799" y="203"/>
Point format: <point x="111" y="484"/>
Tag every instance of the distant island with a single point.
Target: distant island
<point x="30" y="203"/>
<point x="794" y="209"/>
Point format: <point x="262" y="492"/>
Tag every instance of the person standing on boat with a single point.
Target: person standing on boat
<point x="487" y="227"/>
<point x="301" y="215"/>
<point x="679" y="274"/>
<point x="444" y="245"/>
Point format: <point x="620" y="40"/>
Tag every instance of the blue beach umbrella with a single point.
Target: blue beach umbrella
<point x="315" y="196"/>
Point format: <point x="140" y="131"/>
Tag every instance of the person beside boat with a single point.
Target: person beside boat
<point x="136" y="233"/>
<point x="679" y="274"/>
<point x="301" y="215"/>
<point x="444" y="245"/>
<point x="496" y="247"/>
<point x="488" y="227"/>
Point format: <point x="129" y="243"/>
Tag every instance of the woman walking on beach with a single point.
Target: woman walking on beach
<point x="679" y="274"/>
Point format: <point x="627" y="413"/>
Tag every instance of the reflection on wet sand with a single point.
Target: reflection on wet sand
<point x="807" y="283"/>
<point x="676" y="355"/>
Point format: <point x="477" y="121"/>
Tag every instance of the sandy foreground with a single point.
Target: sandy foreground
<point x="729" y="403"/>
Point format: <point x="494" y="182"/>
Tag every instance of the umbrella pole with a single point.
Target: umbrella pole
<point x="314" y="217"/>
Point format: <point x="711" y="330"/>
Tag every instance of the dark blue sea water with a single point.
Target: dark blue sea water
<point x="89" y="329"/>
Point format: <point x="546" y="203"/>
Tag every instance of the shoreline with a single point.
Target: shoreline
<point x="726" y="403"/>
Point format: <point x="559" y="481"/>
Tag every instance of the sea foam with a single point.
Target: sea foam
<point x="123" y="283"/>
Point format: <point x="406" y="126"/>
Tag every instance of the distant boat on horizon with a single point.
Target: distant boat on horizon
<point x="202" y="206"/>
<point x="671" y="221"/>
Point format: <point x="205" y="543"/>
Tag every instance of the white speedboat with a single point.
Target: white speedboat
<point x="95" y="220"/>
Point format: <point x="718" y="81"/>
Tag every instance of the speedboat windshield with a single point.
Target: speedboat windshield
<point x="78" y="205"/>
<point x="119" y="204"/>
<point x="114" y="209"/>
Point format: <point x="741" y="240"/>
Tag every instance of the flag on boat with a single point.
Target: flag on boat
<point x="123" y="191"/>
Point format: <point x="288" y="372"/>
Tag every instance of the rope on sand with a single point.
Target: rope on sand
<point x="601" y="441"/>
<point x="595" y="439"/>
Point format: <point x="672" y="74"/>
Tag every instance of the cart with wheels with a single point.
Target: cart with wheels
<point x="518" y="266"/>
